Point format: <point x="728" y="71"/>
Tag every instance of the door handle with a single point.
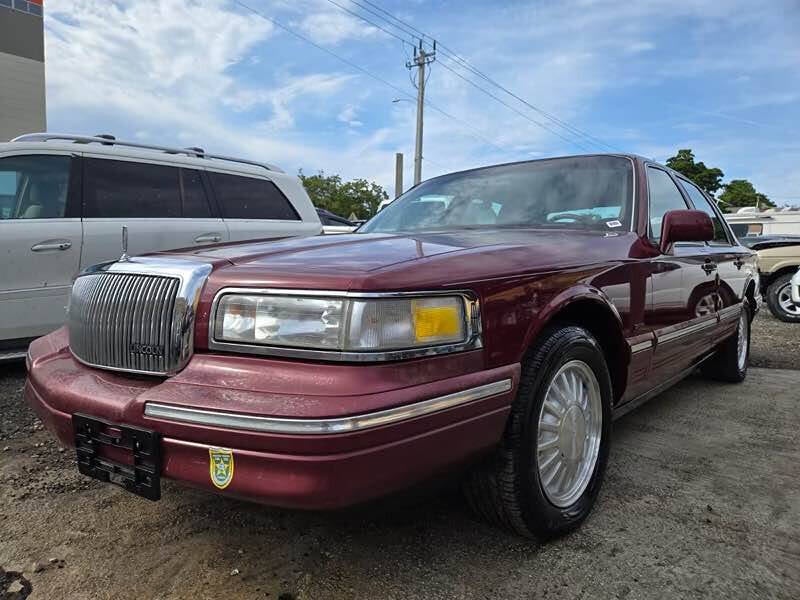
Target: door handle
<point x="709" y="267"/>
<point x="52" y="245"/>
<point x="207" y="237"/>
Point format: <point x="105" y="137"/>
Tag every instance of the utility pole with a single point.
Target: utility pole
<point x="422" y="59"/>
<point x="398" y="174"/>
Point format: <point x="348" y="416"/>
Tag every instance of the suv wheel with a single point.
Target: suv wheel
<point x="545" y="477"/>
<point x="731" y="359"/>
<point x="779" y="300"/>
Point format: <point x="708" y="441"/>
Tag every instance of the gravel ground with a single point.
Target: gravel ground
<point x="775" y="344"/>
<point x="702" y="499"/>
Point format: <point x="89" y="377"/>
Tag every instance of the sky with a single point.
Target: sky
<point x="721" y="77"/>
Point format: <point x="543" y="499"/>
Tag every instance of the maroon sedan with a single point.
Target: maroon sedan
<point x="497" y="319"/>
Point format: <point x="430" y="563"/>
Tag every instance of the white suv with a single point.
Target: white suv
<point x="64" y="200"/>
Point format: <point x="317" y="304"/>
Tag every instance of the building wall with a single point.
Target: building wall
<point x="22" y="88"/>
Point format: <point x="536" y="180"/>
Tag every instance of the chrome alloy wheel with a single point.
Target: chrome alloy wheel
<point x="569" y="432"/>
<point x="785" y="300"/>
<point x="743" y="341"/>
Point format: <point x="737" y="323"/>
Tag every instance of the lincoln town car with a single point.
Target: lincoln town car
<point x="488" y="323"/>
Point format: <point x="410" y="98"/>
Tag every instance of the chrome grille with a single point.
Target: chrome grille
<point x="124" y="321"/>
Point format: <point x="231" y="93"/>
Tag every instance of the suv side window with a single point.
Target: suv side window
<point x="124" y="189"/>
<point x="34" y="187"/>
<point x="702" y="203"/>
<point x="251" y="198"/>
<point x="664" y="196"/>
<point x="195" y="201"/>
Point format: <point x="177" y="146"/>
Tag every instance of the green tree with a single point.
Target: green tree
<point x="709" y="179"/>
<point x="740" y="192"/>
<point x="357" y="196"/>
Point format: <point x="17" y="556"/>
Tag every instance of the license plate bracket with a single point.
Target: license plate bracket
<point x="142" y="477"/>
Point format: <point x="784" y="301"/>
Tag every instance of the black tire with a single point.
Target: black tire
<point x="780" y="286"/>
<point x="725" y="364"/>
<point x="506" y="489"/>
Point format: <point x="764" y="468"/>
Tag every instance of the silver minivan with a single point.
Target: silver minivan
<point x="65" y="198"/>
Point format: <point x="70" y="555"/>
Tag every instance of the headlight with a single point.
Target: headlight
<point x="344" y="324"/>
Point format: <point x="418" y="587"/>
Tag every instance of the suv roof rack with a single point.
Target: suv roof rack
<point x="109" y="140"/>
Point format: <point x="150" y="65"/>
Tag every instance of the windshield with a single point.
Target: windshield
<point x="590" y="192"/>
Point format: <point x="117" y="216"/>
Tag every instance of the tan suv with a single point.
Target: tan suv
<point x="778" y="261"/>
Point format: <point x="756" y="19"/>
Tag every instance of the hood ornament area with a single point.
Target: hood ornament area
<point x="124" y="257"/>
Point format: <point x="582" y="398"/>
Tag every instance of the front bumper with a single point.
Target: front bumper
<point x="301" y="435"/>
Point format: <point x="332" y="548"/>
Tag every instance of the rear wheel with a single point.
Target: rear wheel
<point x="730" y="361"/>
<point x="779" y="300"/>
<point x="545" y="477"/>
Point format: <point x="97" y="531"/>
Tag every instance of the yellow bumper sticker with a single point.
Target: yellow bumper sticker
<point x="220" y="466"/>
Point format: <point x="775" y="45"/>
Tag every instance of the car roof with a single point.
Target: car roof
<point x="112" y="148"/>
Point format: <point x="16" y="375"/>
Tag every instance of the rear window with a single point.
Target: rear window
<point x="251" y="198"/>
<point x="123" y="189"/>
<point x="743" y="229"/>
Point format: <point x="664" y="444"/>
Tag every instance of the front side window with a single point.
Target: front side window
<point x="117" y="189"/>
<point x="34" y="187"/>
<point x="574" y="193"/>
<point x="701" y="202"/>
<point x="664" y="197"/>
<point x="251" y="198"/>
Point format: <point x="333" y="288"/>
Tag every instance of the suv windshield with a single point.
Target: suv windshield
<point x="589" y="192"/>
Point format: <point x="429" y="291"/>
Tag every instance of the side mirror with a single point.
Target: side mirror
<point x="685" y="226"/>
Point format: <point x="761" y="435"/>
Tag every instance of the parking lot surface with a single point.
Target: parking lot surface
<point x="701" y="499"/>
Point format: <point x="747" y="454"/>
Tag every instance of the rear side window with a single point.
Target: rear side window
<point x="121" y="189"/>
<point x="702" y="203"/>
<point x="34" y="187"/>
<point x="664" y="197"/>
<point x="251" y="198"/>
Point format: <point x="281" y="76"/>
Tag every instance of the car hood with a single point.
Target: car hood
<point x="356" y="260"/>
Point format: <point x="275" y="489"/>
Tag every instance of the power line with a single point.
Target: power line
<point x="355" y="14"/>
<point x="358" y="67"/>
<point x="519" y="112"/>
<point x="416" y="32"/>
<point x="464" y="63"/>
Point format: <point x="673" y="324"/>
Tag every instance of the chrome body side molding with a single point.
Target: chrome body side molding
<point x="171" y="412"/>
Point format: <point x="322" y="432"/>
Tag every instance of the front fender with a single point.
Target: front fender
<point x="565" y="300"/>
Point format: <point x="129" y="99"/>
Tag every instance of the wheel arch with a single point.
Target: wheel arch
<point x="783" y="269"/>
<point x="591" y="309"/>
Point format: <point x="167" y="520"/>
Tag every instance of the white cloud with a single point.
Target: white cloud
<point x="332" y="27"/>
<point x="348" y="115"/>
<point x="162" y="70"/>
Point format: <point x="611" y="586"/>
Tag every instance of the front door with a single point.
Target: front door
<point x="682" y="310"/>
<point x="730" y="259"/>
<point x="40" y="244"/>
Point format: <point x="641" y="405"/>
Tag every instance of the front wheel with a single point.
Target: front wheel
<point x="545" y="477"/>
<point x="779" y="300"/>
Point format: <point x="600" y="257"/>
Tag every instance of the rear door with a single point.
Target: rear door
<point x="40" y="242"/>
<point x="682" y="310"/>
<point x="255" y="208"/>
<point x="163" y="206"/>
